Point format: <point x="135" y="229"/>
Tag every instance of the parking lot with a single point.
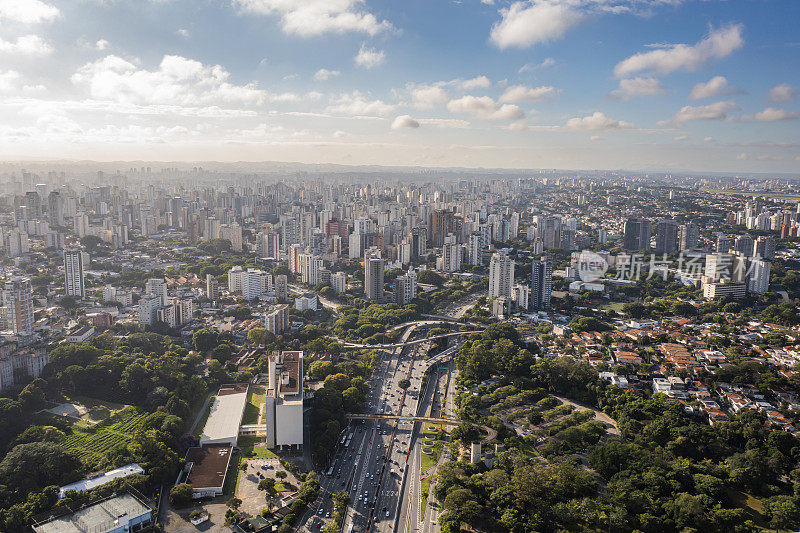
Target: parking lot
<point x="254" y="500"/>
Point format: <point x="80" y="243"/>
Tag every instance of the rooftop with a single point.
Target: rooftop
<point x="226" y="414"/>
<point x="209" y="465"/>
<point x="97" y="518"/>
<point x="90" y="483"/>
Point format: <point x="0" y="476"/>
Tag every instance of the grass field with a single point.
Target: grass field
<point x="439" y="438"/>
<point x="254" y="448"/>
<point x="256" y="397"/>
<point x="93" y="443"/>
<point x="425" y="487"/>
<point x="613" y="306"/>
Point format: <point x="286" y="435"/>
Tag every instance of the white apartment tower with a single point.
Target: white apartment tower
<point x="73" y="274"/>
<point x="501" y="276"/>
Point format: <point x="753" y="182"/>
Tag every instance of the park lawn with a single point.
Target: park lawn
<point x="613" y="306"/>
<point x="198" y="429"/>
<point x="256" y="397"/>
<point x="425" y="487"/>
<point x="93" y="403"/>
<point x="262" y="452"/>
<point x="281" y="487"/>
<point x="254" y="448"/>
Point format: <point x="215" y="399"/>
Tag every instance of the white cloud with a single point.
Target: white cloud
<point x="530" y="67"/>
<point x="526" y="23"/>
<point x="355" y="104"/>
<point x="9" y="80"/>
<point x="717" y="44"/>
<point x="782" y="93"/>
<point x="521" y="93"/>
<point x="485" y="107"/>
<point x="183" y="32"/>
<point x="771" y="114"/>
<point x="478" y="82"/>
<point x="369" y="57"/>
<point x="309" y="18"/>
<point x="325" y="74"/>
<point x="596" y="121"/>
<point x="27" y="11"/>
<point x="680" y="138"/>
<point x="716" y="86"/>
<point x="176" y="81"/>
<point x="26" y="45"/>
<point x="427" y="96"/>
<point x="709" y="139"/>
<point x="404" y="121"/>
<point x="102" y="44"/>
<point x="715" y="111"/>
<point x="633" y="87"/>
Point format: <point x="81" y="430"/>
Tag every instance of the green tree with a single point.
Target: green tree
<point x="319" y="370"/>
<point x="404" y="383"/>
<point x="180" y="495"/>
<point x="205" y="339"/>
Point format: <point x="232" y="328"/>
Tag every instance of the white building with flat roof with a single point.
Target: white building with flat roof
<point x="225" y="418"/>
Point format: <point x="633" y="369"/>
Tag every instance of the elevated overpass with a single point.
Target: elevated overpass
<point x="354" y="346"/>
<point x="491" y="434"/>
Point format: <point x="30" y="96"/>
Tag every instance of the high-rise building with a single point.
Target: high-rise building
<point x="636" y="234"/>
<point x="276" y="320"/>
<point x="283" y="410"/>
<point x="743" y="244"/>
<point x="73" y="274"/>
<point x="541" y="283"/>
<point x="688" y="236"/>
<point x="758" y="281"/>
<point x="148" y="309"/>
<point x="501" y="276"/>
<point x="212" y="287"/>
<point x="723" y="244"/>
<point x="405" y="288"/>
<point x="374" y="267"/>
<point x="443" y="224"/>
<point x="450" y="260"/>
<point x="475" y="249"/>
<point x="764" y="247"/>
<point x="281" y="287"/>
<point x="17" y="301"/>
<point x="232" y="233"/>
<point x="548" y="228"/>
<point x="666" y="236"/>
<point x="55" y="208"/>
<point x="339" y="282"/>
<point x="157" y="287"/>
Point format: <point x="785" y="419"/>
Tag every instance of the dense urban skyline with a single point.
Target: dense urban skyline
<point x="545" y="83"/>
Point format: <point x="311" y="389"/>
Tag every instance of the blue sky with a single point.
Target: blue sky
<point x="706" y="85"/>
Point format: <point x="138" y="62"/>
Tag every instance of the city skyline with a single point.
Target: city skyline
<point x="700" y="86"/>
